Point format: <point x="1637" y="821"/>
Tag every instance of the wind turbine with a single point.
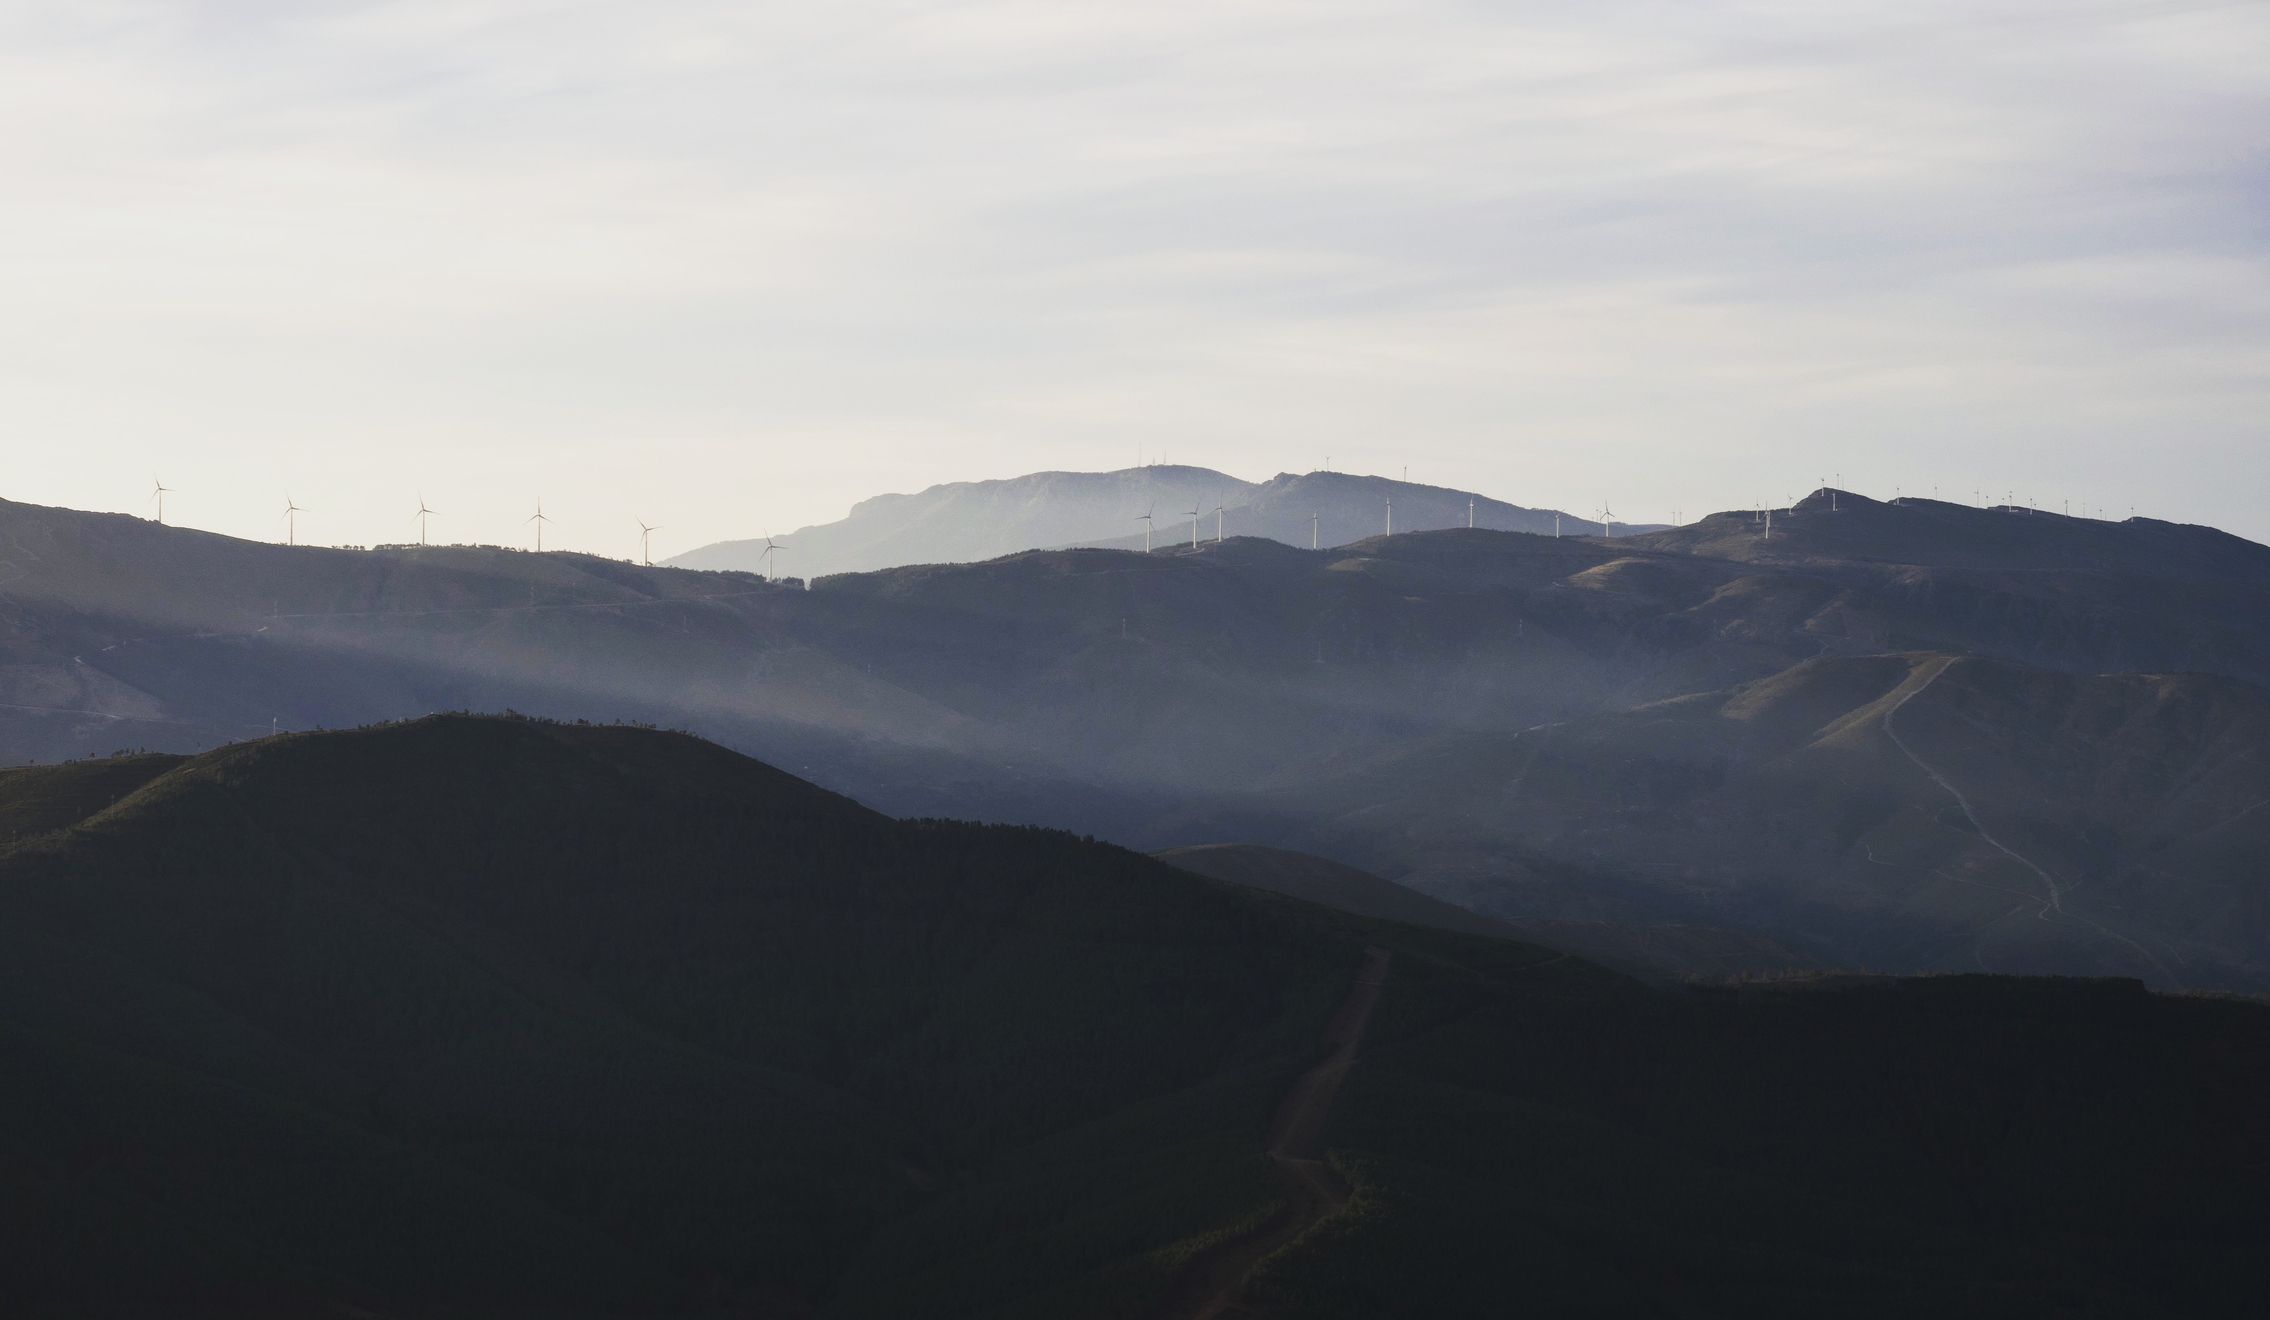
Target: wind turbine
<point x="1312" y="531"/>
<point x="1469" y="512"/>
<point x="291" y="523"/>
<point x="1607" y="521"/>
<point x="539" y="520"/>
<point x="1193" y="515"/>
<point x="422" y="514"/>
<point x="1217" y="517"/>
<point x="1391" y="515"/>
<point x="158" y="493"/>
<point x="645" y="546"/>
<point x="766" y="555"/>
<point x="1145" y="518"/>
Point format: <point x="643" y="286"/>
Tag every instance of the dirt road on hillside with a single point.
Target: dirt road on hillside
<point x="1209" y="1285"/>
<point x="2056" y="900"/>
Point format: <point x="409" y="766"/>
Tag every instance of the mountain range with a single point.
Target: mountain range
<point x="1902" y="735"/>
<point x="978" y="520"/>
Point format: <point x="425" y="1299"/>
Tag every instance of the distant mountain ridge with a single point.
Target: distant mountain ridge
<point x="1329" y="509"/>
<point x="1654" y="952"/>
<point x="971" y="521"/>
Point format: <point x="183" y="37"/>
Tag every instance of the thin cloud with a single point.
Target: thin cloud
<point x="749" y="264"/>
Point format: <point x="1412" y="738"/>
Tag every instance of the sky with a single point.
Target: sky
<point x="731" y="267"/>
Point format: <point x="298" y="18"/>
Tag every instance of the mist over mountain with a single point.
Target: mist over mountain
<point x="970" y="521"/>
<point x="1721" y="753"/>
<point x="1916" y="811"/>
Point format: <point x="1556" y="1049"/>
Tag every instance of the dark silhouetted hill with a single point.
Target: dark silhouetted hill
<point x="972" y="521"/>
<point x="477" y="1017"/>
<point x="476" y="1010"/>
<point x="1664" y="950"/>
<point x="1322" y="880"/>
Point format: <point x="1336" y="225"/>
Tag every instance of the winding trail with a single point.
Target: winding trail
<point x="2056" y="901"/>
<point x="1209" y="1284"/>
<point x="2056" y="895"/>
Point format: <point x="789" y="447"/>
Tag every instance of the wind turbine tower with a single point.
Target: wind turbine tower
<point x="645" y="543"/>
<point x="291" y="521"/>
<point x="1217" y="517"/>
<point x="1194" y="527"/>
<point x="1145" y="519"/>
<point x="770" y="546"/>
<point x="1391" y="515"/>
<point x="423" y="514"/>
<point x="159" y="491"/>
<point x="1312" y="531"/>
<point x="1469" y="512"/>
<point x="539" y="520"/>
<point x="1607" y="521"/>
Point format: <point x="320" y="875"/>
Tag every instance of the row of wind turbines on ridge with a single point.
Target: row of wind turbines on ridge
<point x="292" y="509"/>
<point x="1607" y="521"/>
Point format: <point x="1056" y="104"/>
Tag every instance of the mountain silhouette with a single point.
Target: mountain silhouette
<point x="1657" y="951"/>
<point x="492" y="1017"/>
<point x="965" y="521"/>
<point x="969" y="521"/>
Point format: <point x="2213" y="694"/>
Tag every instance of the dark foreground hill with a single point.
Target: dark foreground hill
<point x="477" y="1017"/>
<point x="1651" y="951"/>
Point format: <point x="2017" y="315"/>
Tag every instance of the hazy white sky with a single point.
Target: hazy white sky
<point x="725" y="266"/>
